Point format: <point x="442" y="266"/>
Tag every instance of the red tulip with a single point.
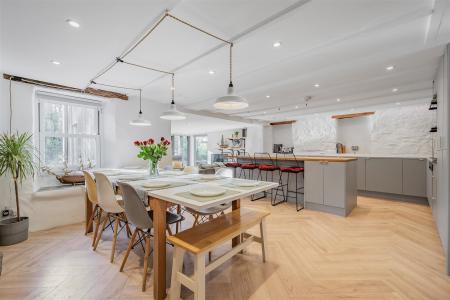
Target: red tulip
<point x="145" y="143"/>
<point x="151" y="141"/>
<point x="162" y="139"/>
<point x="136" y="143"/>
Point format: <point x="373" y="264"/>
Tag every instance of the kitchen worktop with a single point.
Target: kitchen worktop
<point x="297" y="157"/>
<point x="370" y="155"/>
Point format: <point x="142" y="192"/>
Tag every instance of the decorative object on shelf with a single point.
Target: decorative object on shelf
<point x="222" y="144"/>
<point x="433" y="129"/>
<point x="17" y="159"/>
<point x="140" y="121"/>
<point x="236" y="134"/>
<point x="153" y="152"/>
<point x="173" y="114"/>
<point x="231" y="101"/>
<point x="433" y="103"/>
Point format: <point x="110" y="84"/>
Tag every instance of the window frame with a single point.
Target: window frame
<point x="67" y="101"/>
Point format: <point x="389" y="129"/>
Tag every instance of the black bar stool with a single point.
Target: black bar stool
<point x="291" y="171"/>
<point x="251" y="166"/>
<point x="265" y="169"/>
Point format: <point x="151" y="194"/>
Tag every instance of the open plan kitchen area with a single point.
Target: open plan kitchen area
<point x="225" y="149"/>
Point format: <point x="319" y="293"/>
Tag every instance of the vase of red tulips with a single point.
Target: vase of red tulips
<point x="153" y="152"/>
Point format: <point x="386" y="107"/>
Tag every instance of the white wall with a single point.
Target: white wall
<point x="117" y="148"/>
<point x="56" y="208"/>
<point x="441" y="207"/>
<point x="398" y="129"/>
<point x="315" y="132"/>
<point x="355" y="132"/>
<point x="282" y="134"/>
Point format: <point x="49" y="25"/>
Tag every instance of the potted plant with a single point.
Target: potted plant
<point x="153" y="152"/>
<point x="17" y="160"/>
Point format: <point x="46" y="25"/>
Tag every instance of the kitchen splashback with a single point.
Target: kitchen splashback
<point x="399" y="130"/>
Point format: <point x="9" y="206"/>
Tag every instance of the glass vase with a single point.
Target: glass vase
<point x="153" y="168"/>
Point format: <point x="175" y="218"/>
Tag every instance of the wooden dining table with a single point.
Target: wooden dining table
<point x="160" y="199"/>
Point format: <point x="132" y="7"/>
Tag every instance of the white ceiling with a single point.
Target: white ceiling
<point x="197" y="124"/>
<point x="342" y="45"/>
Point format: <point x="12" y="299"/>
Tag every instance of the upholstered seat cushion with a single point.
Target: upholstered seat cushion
<point x="292" y="169"/>
<point x="232" y="165"/>
<point x="249" y="166"/>
<point x="268" y="168"/>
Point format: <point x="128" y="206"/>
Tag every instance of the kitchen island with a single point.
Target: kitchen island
<point x="330" y="182"/>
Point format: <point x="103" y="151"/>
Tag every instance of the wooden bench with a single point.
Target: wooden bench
<point x="203" y="238"/>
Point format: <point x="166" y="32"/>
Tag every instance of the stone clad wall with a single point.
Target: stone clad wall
<point x="399" y="130"/>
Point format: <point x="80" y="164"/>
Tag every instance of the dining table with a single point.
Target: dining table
<point x="177" y="188"/>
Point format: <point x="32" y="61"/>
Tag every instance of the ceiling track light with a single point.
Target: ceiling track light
<point x="173" y="114"/>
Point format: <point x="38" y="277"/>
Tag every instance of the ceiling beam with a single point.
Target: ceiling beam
<point x="90" y="91"/>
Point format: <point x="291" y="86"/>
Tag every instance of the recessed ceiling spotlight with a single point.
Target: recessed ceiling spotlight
<point x="395" y="90"/>
<point x="390" y="68"/>
<point x="267" y="96"/>
<point x="316" y="85"/>
<point x="338" y="100"/>
<point x="296" y="107"/>
<point x="55" y="62"/>
<point x="276" y="44"/>
<point x="211" y="72"/>
<point x="398" y="103"/>
<point x="73" y="23"/>
<point x="265" y="112"/>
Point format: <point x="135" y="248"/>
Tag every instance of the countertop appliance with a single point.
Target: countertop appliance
<point x="277" y="148"/>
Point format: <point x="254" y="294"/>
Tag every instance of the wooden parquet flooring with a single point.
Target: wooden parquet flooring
<point x="383" y="250"/>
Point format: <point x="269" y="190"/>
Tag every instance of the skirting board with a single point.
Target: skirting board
<point x="324" y="208"/>
<point x="395" y="197"/>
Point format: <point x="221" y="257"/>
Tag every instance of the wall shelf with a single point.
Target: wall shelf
<point x="355" y="115"/>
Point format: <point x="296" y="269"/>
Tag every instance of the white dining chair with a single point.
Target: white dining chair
<point x="108" y="202"/>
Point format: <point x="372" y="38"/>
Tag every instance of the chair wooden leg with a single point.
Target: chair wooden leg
<point x="177" y="267"/>
<point x="113" y="247"/>
<point x="101" y="232"/>
<point x="195" y="220"/>
<point x="97" y="225"/>
<point x="262" y="227"/>
<point x="130" y="245"/>
<point x="91" y="220"/>
<point x="199" y="277"/>
<point x="147" y="254"/>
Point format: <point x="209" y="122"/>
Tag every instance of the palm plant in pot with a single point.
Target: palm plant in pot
<point x="17" y="161"/>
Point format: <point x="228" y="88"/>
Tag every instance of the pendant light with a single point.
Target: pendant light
<point x="140" y="121"/>
<point x="173" y="114"/>
<point x="231" y="101"/>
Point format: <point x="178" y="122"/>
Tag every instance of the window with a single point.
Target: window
<point x="201" y="149"/>
<point x="180" y="148"/>
<point x="68" y="132"/>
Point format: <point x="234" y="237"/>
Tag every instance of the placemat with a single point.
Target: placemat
<point x="244" y="188"/>
<point x="171" y="185"/>
<point x="188" y="195"/>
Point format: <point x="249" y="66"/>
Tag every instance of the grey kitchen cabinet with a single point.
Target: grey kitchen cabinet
<point x="361" y="173"/>
<point x="314" y="182"/>
<point x="414" y="177"/>
<point x="334" y="184"/>
<point x="384" y="175"/>
<point x="330" y="186"/>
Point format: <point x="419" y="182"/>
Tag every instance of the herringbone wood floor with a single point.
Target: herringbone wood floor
<point x="383" y="250"/>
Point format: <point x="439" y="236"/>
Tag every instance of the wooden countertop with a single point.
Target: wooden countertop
<point x="299" y="158"/>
